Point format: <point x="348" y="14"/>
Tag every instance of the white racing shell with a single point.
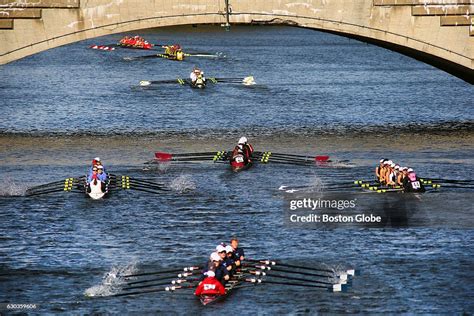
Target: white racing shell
<point x="96" y="190"/>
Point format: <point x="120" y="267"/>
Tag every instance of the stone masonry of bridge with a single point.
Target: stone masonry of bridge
<point x="438" y="32"/>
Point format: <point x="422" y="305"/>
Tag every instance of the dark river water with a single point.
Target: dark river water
<point x="316" y="94"/>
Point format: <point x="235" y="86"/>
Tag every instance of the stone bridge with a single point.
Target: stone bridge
<point x="438" y="32"/>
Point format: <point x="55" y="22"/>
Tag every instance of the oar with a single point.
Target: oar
<point x="66" y="185"/>
<point x="44" y="192"/>
<point x="135" y="180"/>
<point x="185" y="269"/>
<point x="316" y="158"/>
<point x="165" y="155"/>
<point x="265" y="158"/>
<point x="274" y="263"/>
<point x="126" y="181"/>
<point x="248" y="81"/>
<point x="162" y="156"/>
<point x="446" y="180"/>
<point x="140" y="57"/>
<point x="264" y="267"/>
<point x="333" y="288"/>
<point x="260" y="273"/>
<point x="202" y="55"/>
<point x="145" y="83"/>
<point x="178" y="281"/>
<point x="132" y="185"/>
<point x="166" y="289"/>
<point x="59" y="182"/>
<point x="172" y="276"/>
<point x="454" y="186"/>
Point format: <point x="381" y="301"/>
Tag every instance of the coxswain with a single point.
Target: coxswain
<point x="147" y="45"/>
<point x="412" y="183"/>
<point x="379" y="169"/>
<point x="246" y="148"/>
<point x="239" y="254"/>
<point x="210" y="285"/>
<point x="237" y="158"/>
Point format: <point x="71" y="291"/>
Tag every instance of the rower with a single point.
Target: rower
<point x="214" y="264"/>
<point x="412" y="183"/>
<point x="402" y="175"/>
<point x="378" y="170"/>
<point x="101" y="175"/>
<point x="221" y="252"/>
<point x="238" y="252"/>
<point x="246" y="148"/>
<point x="210" y="285"/>
<point x="179" y="54"/>
<point x="389" y="174"/>
<point x="237" y="158"/>
<point x="229" y="261"/>
<point x="396" y="174"/>
<point x="386" y="172"/>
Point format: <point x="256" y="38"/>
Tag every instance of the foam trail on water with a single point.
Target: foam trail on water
<point x="183" y="183"/>
<point x="112" y="281"/>
<point x="8" y="187"/>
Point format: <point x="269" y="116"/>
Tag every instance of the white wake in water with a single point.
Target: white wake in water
<point x="8" y="187"/>
<point x="315" y="185"/>
<point x="183" y="183"/>
<point x="112" y="281"/>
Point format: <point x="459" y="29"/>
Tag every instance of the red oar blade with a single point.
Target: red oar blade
<point x="163" y="156"/>
<point x="321" y="158"/>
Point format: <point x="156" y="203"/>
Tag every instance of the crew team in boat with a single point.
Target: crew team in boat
<point x="135" y="42"/>
<point x="97" y="173"/>
<point x="393" y="175"/>
<point x="222" y="264"/>
<point x="174" y="52"/>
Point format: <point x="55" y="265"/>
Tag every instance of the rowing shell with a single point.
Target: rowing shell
<point x="95" y="188"/>
<point x="238" y="169"/>
<point x="237" y="279"/>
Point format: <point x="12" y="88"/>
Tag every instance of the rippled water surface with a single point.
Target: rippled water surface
<point x="315" y="94"/>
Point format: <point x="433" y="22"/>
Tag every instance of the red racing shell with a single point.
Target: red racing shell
<point x="210" y="286"/>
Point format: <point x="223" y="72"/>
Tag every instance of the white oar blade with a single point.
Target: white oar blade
<point x="248" y="81"/>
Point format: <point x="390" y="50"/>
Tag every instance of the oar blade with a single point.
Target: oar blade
<point x="162" y="156"/>
<point x="321" y="158"/>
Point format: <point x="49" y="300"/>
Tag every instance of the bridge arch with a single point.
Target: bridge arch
<point x="439" y="34"/>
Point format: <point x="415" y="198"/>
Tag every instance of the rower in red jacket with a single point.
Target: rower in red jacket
<point x="246" y="148"/>
<point x="210" y="286"/>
